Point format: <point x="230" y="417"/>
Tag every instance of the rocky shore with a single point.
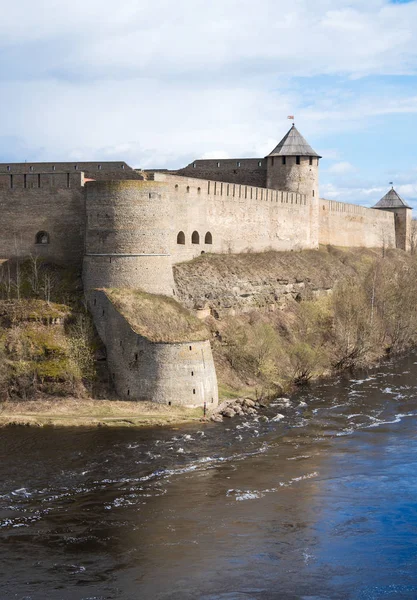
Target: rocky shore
<point x="247" y="407"/>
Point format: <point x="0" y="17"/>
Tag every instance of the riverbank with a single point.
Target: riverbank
<point x="75" y="412"/>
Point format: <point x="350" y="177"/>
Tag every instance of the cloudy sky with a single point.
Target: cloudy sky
<point x="160" y="82"/>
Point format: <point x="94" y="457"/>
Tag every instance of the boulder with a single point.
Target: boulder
<point x="216" y="418"/>
<point x="248" y="403"/>
<point x="228" y="412"/>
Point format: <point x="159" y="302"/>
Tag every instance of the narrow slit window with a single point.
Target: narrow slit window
<point x="297" y="160"/>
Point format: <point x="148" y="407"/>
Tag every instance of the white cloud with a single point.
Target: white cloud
<point x="158" y="83"/>
<point x="341" y="168"/>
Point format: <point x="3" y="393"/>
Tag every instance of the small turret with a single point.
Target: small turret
<point x="393" y="202"/>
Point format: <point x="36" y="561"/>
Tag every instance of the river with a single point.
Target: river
<point x="319" y="505"/>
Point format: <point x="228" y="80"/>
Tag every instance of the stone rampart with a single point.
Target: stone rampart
<point x="343" y="224"/>
<point x="93" y="170"/>
<point x="212" y="216"/>
<point x="181" y="373"/>
<point x="42" y="215"/>
<point x="246" y="171"/>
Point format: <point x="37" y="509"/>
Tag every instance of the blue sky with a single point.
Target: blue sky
<point x="158" y="83"/>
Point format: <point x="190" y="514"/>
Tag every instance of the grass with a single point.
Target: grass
<point x="73" y="412"/>
<point x="158" y="318"/>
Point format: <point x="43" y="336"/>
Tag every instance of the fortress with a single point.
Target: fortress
<point x="126" y="228"/>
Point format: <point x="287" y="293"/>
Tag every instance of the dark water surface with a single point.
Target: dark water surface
<point x="320" y="504"/>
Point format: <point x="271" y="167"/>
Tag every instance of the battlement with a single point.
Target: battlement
<point x="191" y="185"/>
<point x="32" y="181"/>
<point x="353" y="209"/>
<point x="92" y="170"/>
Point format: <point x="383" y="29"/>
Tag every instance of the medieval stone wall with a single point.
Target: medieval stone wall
<point x="93" y="170"/>
<point x="141" y="370"/>
<point x="231" y="218"/>
<point x="351" y="225"/>
<point x="49" y="203"/>
<point x="246" y="171"/>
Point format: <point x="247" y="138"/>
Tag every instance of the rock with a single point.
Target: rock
<point x="248" y="403"/>
<point x="251" y="411"/>
<point x="278" y="417"/>
<point x="263" y="419"/>
<point x="284" y="402"/>
<point x="302" y="405"/>
<point x="239" y="412"/>
<point x="216" y="418"/>
<point x="228" y="412"/>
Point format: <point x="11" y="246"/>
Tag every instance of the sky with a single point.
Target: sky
<point x="158" y="83"/>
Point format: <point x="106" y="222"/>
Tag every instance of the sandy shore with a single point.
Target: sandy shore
<point x="73" y="412"/>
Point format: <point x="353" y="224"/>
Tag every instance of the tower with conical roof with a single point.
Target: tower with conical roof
<point x="393" y="202"/>
<point x="293" y="166"/>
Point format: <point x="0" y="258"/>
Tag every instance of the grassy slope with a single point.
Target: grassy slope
<point x="158" y="318"/>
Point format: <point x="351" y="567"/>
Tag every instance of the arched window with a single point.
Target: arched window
<point x="209" y="238"/>
<point x="181" y="238"/>
<point x="42" y="237"/>
<point x="195" y="238"/>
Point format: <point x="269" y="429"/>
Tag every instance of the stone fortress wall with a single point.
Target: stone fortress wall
<point x="130" y="227"/>
<point x="350" y="225"/>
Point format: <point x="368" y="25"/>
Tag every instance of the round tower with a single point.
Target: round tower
<point x="127" y="237"/>
<point x="293" y="166"/>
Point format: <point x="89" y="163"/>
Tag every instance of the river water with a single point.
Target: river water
<point x="320" y="504"/>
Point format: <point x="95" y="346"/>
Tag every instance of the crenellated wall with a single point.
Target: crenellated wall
<point x="350" y="225"/>
<point x="48" y="202"/>
<point x="246" y="171"/>
<point x="239" y="218"/>
<point x="177" y="373"/>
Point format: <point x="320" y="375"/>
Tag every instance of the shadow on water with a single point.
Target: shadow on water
<point x="320" y="504"/>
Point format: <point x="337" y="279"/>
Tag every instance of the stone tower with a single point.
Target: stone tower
<point x="392" y="202"/>
<point x="294" y="166"/>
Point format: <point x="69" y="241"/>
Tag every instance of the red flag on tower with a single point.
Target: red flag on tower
<point x="291" y="117"/>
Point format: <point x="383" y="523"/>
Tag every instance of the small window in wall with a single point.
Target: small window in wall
<point x="191" y="347"/>
<point x="311" y="160"/>
<point x="284" y="160"/>
<point x="209" y="238"/>
<point x="238" y="164"/>
<point x="297" y="160"/>
<point x="75" y="167"/>
<point x="194" y="165"/>
<point x="31" y="168"/>
<point x="188" y="189"/>
<point x="181" y="238"/>
<point x="176" y="187"/>
<point x="195" y="237"/>
<point x="8" y="168"/>
<point x="122" y="166"/>
<point x="42" y="237"/>
<point x="194" y="391"/>
<point x="198" y="190"/>
<point x="99" y="167"/>
<point x="313" y="193"/>
<point x="260" y="163"/>
<point x="218" y="164"/>
<point x="53" y="168"/>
